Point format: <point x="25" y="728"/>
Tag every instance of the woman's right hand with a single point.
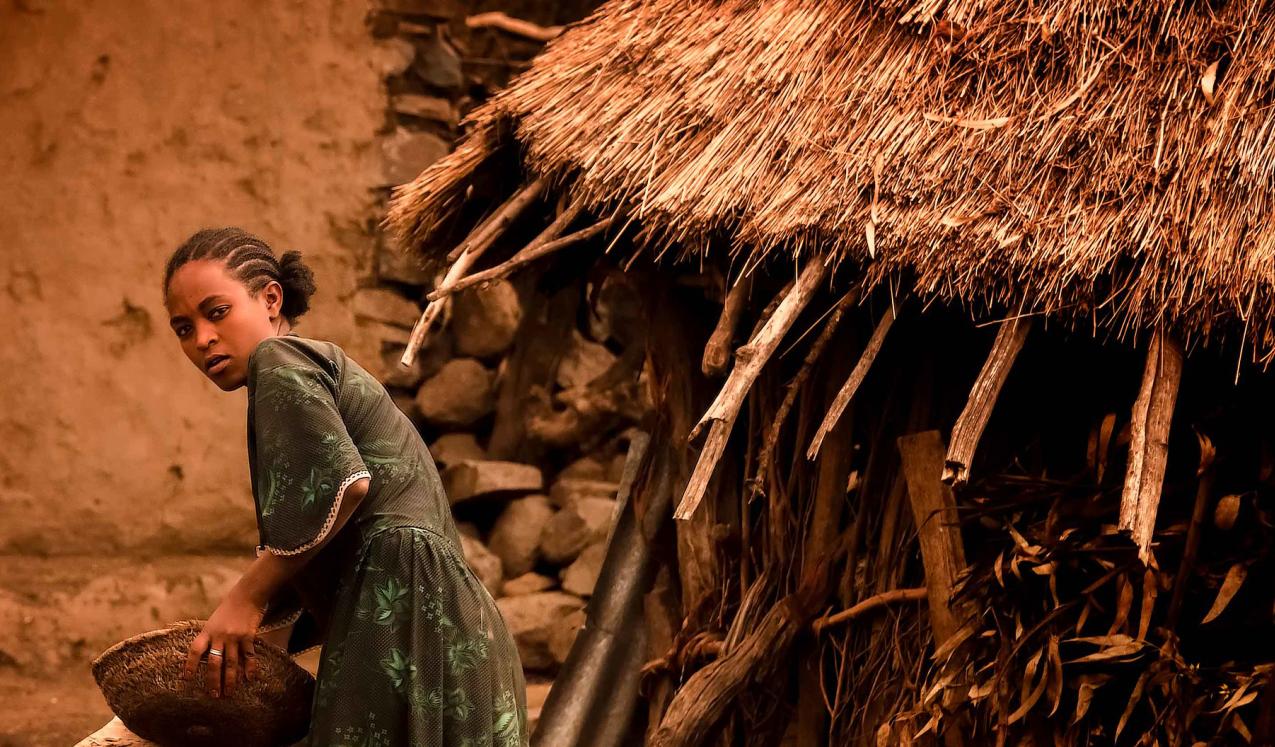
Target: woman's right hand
<point x="228" y="639"/>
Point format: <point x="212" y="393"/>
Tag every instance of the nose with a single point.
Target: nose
<point x="205" y="334"/>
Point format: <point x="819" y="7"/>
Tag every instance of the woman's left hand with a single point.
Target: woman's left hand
<point x="231" y="631"/>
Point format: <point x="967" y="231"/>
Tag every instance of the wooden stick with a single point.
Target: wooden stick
<point x="1149" y="440"/>
<point x="852" y="384"/>
<point x="495" y="224"/>
<point x="515" y="26"/>
<point x="749" y="361"/>
<point x="978" y="408"/>
<point x="1203" y="489"/>
<point x="717" y="350"/>
<point x="525" y="256"/>
<point x="876" y="601"/>
<point x="934" y="511"/>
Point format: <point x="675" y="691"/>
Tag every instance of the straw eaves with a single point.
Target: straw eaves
<point x="1095" y="160"/>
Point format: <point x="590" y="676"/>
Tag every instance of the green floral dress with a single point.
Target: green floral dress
<point x="415" y="651"/>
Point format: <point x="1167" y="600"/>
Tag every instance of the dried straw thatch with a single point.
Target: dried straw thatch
<point x="141" y="680"/>
<point x="1107" y="162"/>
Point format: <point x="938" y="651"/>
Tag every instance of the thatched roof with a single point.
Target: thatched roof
<point x="1108" y="162"/>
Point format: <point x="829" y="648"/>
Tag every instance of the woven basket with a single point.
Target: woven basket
<point x="142" y="680"/>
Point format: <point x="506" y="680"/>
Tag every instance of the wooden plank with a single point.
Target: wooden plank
<point x="934" y="511"/>
<point x="982" y="399"/>
<point x="1149" y="440"/>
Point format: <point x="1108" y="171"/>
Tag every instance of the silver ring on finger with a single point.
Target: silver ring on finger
<point x="215" y="652"/>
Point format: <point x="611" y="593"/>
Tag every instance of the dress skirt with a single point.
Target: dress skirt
<point x="417" y="653"/>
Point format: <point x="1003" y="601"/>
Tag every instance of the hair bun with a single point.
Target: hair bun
<point x="298" y="284"/>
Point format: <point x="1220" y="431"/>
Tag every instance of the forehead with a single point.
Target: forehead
<point x="195" y="281"/>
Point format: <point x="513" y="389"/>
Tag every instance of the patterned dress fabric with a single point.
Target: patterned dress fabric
<point x="415" y="651"/>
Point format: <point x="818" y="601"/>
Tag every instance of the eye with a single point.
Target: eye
<point x="219" y="312"/>
<point x="182" y="330"/>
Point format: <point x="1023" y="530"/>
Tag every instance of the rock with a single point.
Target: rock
<point x="580" y="577"/>
<point x="615" y="468"/>
<point x="393" y="56"/>
<point x="585" y="468"/>
<point x="562" y="636"/>
<point x="386" y="306"/>
<point x="537" y="693"/>
<point x="574" y="528"/>
<point x="433" y="108"/>
<point x="568" y="491"/>
<point x="458" y="395"/>
<point x="485" y="320"/>
<point x="472" y="478"/>
<point x="583" y="362"/>
<point x="450" y="448"/>
<point x="530" y="619"/>
<point x="515" y="538"/>
<point x="398" y="266"/>
<point x="485" y="564"/>
<point x="527" y="583"/>
<point x="617" y="313"/>
<point x="437" y="62"/>
<point x="406" y="153"/>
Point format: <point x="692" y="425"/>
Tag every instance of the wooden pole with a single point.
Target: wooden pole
<point x="717" y="351"/>
<point x="1149" y="440"/>
<point x="978" y="408"/>
<point x="852" y="384"/>
<point x="934" y="511"/>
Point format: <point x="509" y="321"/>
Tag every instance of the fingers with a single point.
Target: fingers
<point x="249" y="653"/>
<point x="212" y="672"/>
<point x="231" y="663"/>
<point x="196" y="652"/>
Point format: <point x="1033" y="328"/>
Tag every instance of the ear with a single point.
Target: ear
<point x="272" y="297"/>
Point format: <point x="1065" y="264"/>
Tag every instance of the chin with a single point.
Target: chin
<point x="228" y="381"/>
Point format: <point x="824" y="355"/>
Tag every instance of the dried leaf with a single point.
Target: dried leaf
<point x="1104" y="443"/>
<point x="1208" y="81"/>
<point x="1227" y="511"/>
<point x="1088" y="685"/>
<point x="1056" y="666"/>
<point x="1148" y="603"/>
<point x="1134" y="698"/>
<point x="870" y="231"/>
<point x="1230" y="585"/>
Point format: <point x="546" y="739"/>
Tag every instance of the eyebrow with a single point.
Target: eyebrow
<point x="173" y="320"/>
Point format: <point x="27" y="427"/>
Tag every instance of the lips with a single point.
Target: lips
<point x="216" y="363"/>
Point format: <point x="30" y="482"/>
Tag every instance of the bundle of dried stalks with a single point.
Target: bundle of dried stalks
<point x="1088" y="158"/>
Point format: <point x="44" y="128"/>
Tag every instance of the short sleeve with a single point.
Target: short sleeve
<point x="303" y="459"/>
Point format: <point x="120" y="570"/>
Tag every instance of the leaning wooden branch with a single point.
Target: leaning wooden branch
<point x="978" y="408"/>
<point x="1149" y="440"/>
<point x="749" y="361"/>
<point x="877" y="601"/>
<point x="717" y="351"/>
<point x="525" y="256"/>
<point x="464" y="258"/>
<point x="700" y="703"/>
<point x="852" y="384"/>
<point x="515" y="26"/>
<point x="937" y="528"/>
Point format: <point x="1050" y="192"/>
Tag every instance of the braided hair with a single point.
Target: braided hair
<point x="249" y="259"/>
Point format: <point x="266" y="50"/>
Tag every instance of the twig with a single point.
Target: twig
<point x="852" y="384"/>
<point x="515" y="26"/>
<point x="876" y="601"/>
<point x="978" y="408"/>
<point x="717" y="350"/>
<point x="1149" y="440"/>
<point x="525" y="256"/>
<point x="495" y="224"/>
<point x="749" y="361"/>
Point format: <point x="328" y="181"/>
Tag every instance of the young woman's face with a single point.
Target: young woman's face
<point x="218" y="322"/>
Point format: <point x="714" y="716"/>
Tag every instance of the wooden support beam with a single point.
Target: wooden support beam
<point x="464" y="257"/>
<point x="1149" y="440"/>
<point x="749" y="361"/>
<point x="934" y="511"/>
<point x="852" y="384"/>
<point x="717" y="350"/>
<point x="978" y="408"/>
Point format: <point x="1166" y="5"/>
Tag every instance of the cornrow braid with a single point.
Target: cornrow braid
<point x="250" y="260"/>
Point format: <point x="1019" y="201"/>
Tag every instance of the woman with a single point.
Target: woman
<point x="354" y="526"/>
